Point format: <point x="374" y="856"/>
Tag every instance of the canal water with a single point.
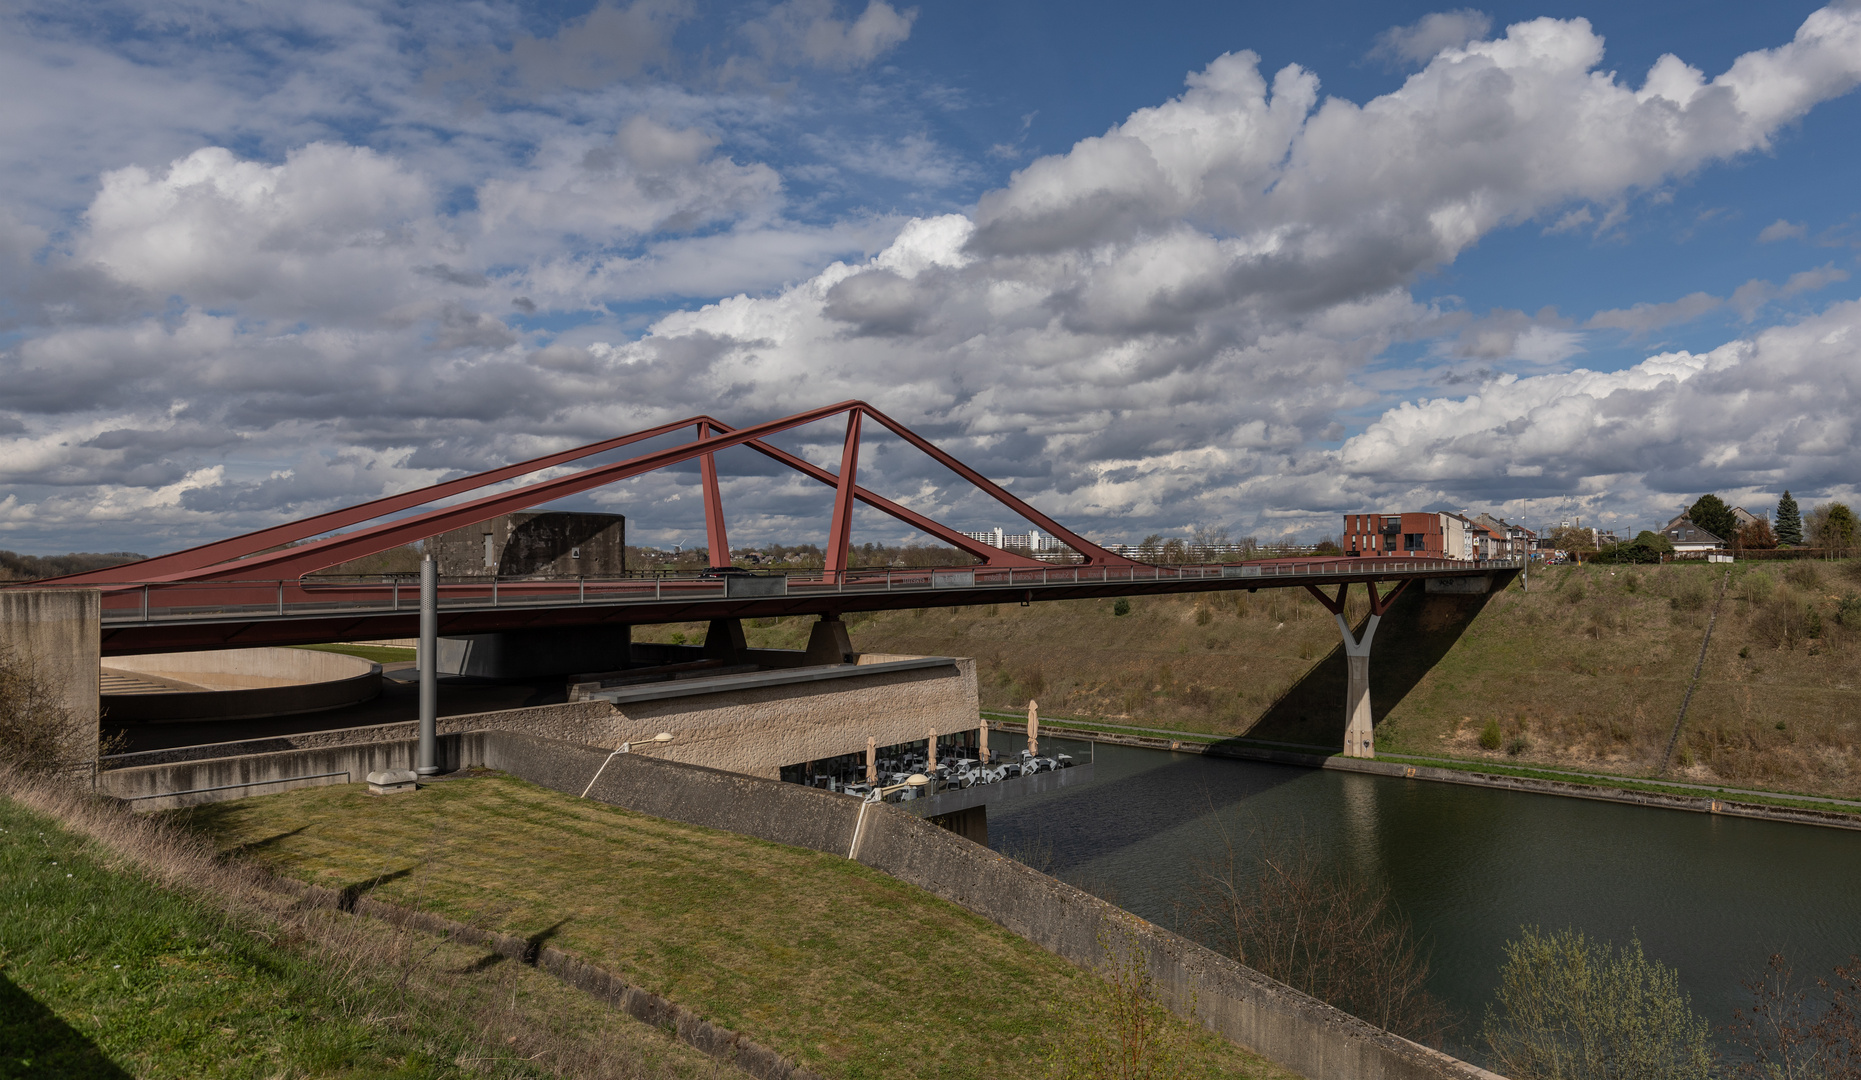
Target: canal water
<point x="1712" y="897"/>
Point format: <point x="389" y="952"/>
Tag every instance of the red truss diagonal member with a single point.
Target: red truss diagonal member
<point x="840" y="533"/>
<point x="220" y="551"/>
<point x="1378" y="604"/>
<point x="223" y="561"/>
<point x="713" y="504"/>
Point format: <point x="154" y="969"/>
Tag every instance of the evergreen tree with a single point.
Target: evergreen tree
<point x="1789" y="522"/>
<point x="1711" y="513"/>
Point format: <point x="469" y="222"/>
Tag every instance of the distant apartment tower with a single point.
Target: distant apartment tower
<point x="1424" y="535"/>
<point x="1032" y="540"/>
<point x="548" y="544"/>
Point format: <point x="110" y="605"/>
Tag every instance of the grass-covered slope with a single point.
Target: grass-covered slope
<point x="104" y="972"/>
<point x="834" y="965"/>
<point x="1586" y="669"/>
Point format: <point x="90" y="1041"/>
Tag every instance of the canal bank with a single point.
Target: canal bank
<point x="1778" y="806"/>
<point x="1713" y="896"/>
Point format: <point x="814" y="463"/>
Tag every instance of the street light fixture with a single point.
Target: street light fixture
<point x="915" y="780"/>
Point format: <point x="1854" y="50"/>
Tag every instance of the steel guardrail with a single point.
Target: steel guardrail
<point x="139" y="603"/>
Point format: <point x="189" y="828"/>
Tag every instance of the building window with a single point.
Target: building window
<point x="1412" y="542"/>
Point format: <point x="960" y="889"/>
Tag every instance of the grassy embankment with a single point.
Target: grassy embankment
<point x="832" y="964"/>
<point x="128" y="951"/>
<point x="1586" y="671"/>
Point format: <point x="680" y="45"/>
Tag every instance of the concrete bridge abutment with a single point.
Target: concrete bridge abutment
<point x="54" y="636"/>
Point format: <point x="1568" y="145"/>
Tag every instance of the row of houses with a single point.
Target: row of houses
<point x="1434" y="534"/>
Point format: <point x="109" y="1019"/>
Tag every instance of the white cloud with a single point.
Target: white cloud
<point x="1164" y="320"/>
<point x="1767" y="412"/>
<point x="1645" y="318"/>
<point x="1428" y="36"/>
<point x="809" y="28"/>
<point x="1782" y="230"/>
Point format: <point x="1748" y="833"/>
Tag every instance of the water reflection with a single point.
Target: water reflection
<point x="1711" y="896"/>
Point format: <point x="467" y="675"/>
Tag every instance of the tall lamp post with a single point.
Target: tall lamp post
<point x="427" y="763"/>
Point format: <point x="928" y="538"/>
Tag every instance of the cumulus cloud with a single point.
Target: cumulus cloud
<point x="1782" y="230"/>
<point x="1776" y="410"/>
<point x="1168" y="322"/>
<point x="1427" y="37"/>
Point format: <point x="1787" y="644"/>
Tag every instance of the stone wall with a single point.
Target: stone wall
<point x="59" y="631"/>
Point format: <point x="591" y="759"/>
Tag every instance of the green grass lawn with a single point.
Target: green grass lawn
<point x="837" y="966"/>
<point x="104" y="974"/>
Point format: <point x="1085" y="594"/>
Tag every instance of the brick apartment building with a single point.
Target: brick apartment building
<point x="1426" y="535"/>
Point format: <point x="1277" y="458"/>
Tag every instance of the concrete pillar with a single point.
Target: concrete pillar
<point x="872" y="760"/>
<point x="983" y="729"/>
<point x="1033" y="728"/>
<point x="1359" y="739"/>
<point x="60" y="633"/>
<point x="724" y="641"/>
<point x="828" y="642"/>
<point x="932" y="767"/>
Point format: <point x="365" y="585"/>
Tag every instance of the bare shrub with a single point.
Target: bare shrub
<point x="1330" y="933"/>
<point x="1788" y="1034"/>
<point x="1692" y="595"/>
<point x="1803" y="575"/>
<point x="1573" y="1009"/>
<point x="38" y="732"/>
<point x="1785" y="621"/>
<point x="1128" y="1033"/>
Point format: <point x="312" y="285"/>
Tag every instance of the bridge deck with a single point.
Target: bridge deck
<point x="178" y="616"/>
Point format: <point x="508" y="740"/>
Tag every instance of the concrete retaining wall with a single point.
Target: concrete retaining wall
<point x="1274" y="1020"/>
<point x="59" y="630"/>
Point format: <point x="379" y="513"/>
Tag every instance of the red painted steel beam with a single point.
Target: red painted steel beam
<point x="840" y="532"/>
<point x="319" y="554"/>
<point x="166" y="567"/>
<point x="1094" y="555"/>
<point x="1378" y="605"/>
<point x="988" y="553"/>
<point x="714" y="531"/>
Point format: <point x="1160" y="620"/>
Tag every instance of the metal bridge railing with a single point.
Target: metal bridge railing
<point x="155" y="602"/>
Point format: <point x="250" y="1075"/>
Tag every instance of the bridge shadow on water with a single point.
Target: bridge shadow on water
<point x="1132" y="800"/>
<point x="38" y="1043"/>
<point x="1415" y="634"/>
<point x="1129" y="802"/>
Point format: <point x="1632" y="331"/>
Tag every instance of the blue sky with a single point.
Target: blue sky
<point x="1226" y="265"/>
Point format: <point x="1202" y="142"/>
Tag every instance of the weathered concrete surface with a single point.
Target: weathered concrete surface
<point x="58" y="631"/>
<point x="545" y="544"/>
<point x="758" y="731"/>
<point x="209" y="780"/>
<point x="238" y="684"/>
